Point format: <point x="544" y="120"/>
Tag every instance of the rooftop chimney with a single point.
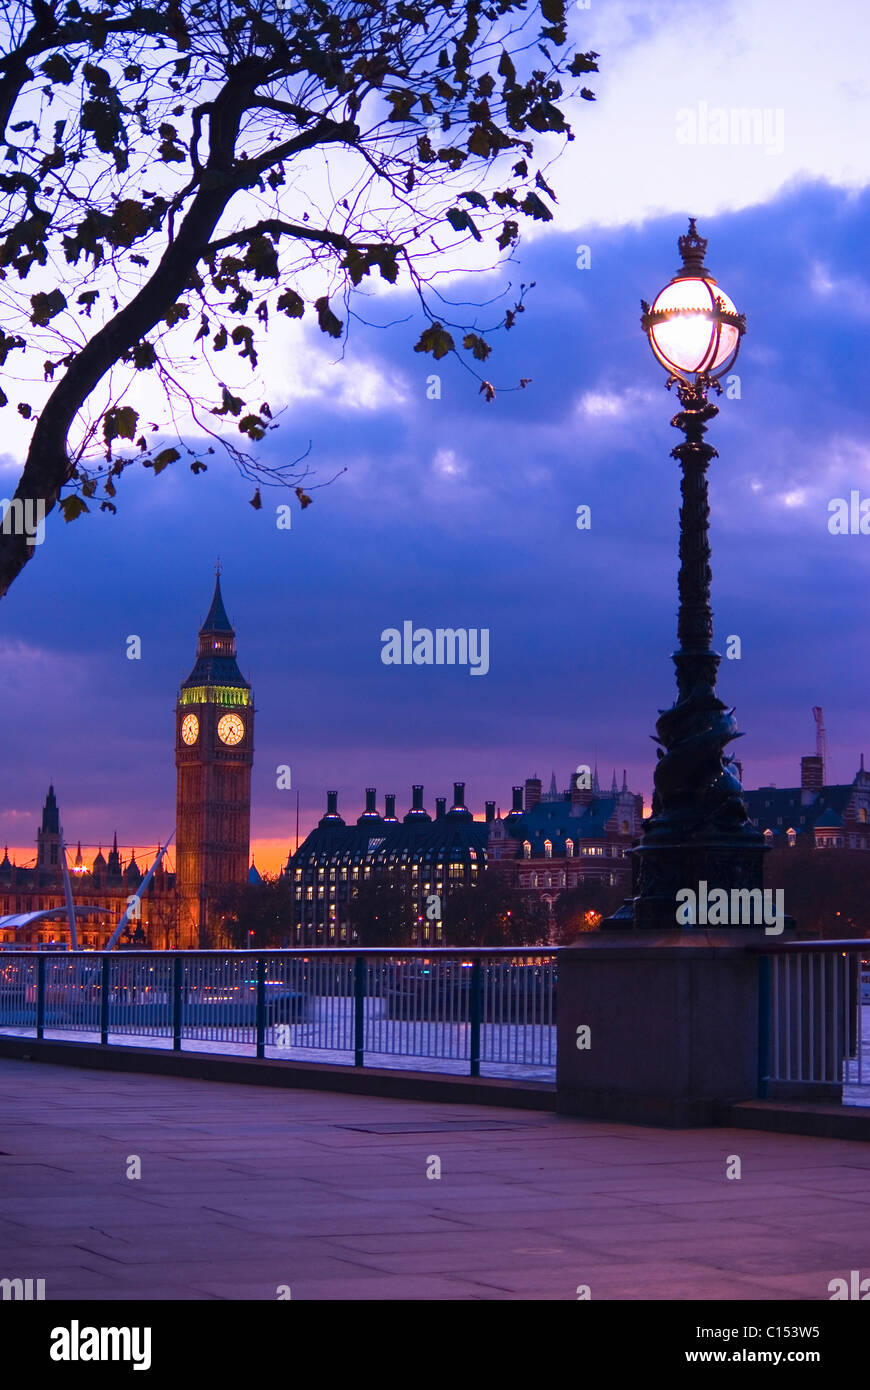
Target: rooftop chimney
<point x="490" y="811"/>
<point x="417" y="813"/>
<point x="459" y="810"/>
<point x="370" y="813"/>
<point x="581" y="794"/>
<point x="390" y="806"/>
<point x="332" y="817"/>
<point x="440" y="807"/>
<point x="533" y="792"/>
<point x="517" y="807"/>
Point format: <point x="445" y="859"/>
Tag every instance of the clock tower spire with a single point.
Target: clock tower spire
<point x="214" y="751"/>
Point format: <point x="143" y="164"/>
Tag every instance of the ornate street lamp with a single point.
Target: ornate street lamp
<point x="699" y="828"/>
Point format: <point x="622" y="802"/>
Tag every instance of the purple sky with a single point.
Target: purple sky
<point x="456" y="513"/>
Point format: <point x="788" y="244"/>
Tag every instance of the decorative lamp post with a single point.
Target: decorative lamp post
<point x="699" y="828"/>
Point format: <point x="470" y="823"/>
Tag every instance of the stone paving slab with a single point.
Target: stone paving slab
<point x="244" y="1189"/>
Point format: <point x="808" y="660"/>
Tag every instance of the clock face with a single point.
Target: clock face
<point x="231" y="729"/>
<point x="190" y="728"/>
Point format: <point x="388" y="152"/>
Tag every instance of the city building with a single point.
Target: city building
<point x="550" y="843"/>
<point x="430" y="855"/>
<point x="108" y="883"/>
<point x="554" y="841"/>
<point x="214" y="753"/>
<point x="214" y="750"/>
<point x="823" y="817"/>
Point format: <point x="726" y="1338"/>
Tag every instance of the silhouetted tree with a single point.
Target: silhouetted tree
<point x="581" y="909"/>
<point x="257" y="914"/>
<point x="826" y="890"/>
<point x="382" y="911"/>
<point x="492" y="913"/>
<point x="180" y="172"/>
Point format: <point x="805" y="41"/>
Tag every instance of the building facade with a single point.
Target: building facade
<point x="429" y="855"/>
<point x="545" y="844"/>
<point x="108" y="884"/>
<point x="552" y="842"/>
<point x="824" y="817"/>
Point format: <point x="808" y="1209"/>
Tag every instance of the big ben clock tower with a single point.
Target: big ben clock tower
<point x="214" y="750"/>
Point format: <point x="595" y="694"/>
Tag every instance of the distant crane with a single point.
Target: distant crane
<point x="821" y="743"/>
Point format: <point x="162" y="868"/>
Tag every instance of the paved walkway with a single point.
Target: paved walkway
<point x="245" y="1189"/>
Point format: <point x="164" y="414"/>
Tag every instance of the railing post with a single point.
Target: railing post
<point x="763" y="1026"/>
<point x="40" y="996"/>
<point x="261" y="1006"/>
<point x="359" y="999"/>
<point x="177" y="967"/>
<point x="104" y="998"/>
<point x="475" y="1012"/>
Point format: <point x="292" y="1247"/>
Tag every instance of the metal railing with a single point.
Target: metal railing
<point x="813" y="1035"/>
<point x="462" y="1009"/>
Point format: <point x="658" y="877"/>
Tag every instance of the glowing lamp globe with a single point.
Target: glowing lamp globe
<point x="694" y="328"/>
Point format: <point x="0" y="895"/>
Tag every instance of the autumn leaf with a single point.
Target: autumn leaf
<point x="553" y="11"/>
<point x="57" y="69"/>
<point x="88" y="299"/>
<point x="476" y="199"/>
<point x="304" y="499"/>
<point x="120" y="423"/>
<point x="506" y="68"/>
<point x="461" y="220"/>
<point x="163" y="460"/>
<point x="262" y="257"/>
<point x="72" y="507"/>
<point x="46" y="307"/>
<point x="170" y="151"/>
<point x="475" y="344"/>
<point x="143" y="355"/>
<point x="243" y="338"/>
<point x="541" y="182"/>
<point x="252" y="426"/>
<point x="533" y="207"/>
<point x="256" y="501"/>
<point x="583" y="62"/>
<point x="436" y="340"/>
<point x="291" y="304"/>
<point x="327" y="319"/>
<point x="487" y="389"/>
<point x="130" y="219"/>
<point x="230" y="404"/>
